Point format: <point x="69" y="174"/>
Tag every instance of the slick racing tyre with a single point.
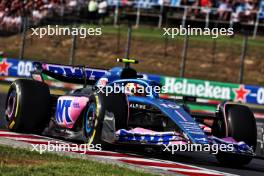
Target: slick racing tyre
<point x="27" y="106"/>
<point x="241" y="125"/>
<point x="98" y="106"/>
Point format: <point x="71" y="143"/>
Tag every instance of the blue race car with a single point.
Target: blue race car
<point x="121" y="107"/>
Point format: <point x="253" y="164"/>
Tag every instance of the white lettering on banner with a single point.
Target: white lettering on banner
<point x="203" y="89"/>
<point x="260" y="96"/>
<point x="24" y="68"/>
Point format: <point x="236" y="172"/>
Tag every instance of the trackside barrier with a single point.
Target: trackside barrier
<point x="174" y="86"/>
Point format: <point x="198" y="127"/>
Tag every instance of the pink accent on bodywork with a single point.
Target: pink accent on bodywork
<point x="150" y="132"/>
<point x="178" y="143"/>
<point x="229" y="139"/>
<point x="75" y="109"/>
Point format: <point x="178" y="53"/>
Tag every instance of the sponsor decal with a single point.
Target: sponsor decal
<point x="241" y="93"/>
<point x="62" y="111"/>
<point x="68" y="110"/>
<point x="170" y="106"/>
<point x="4" y="66"/>
<point x="213" y="90"/>
<point x="77" y="72"/>
<point x="196" y="88"/>
<point x="76" y="105"/>
<point x="165" y="138"/>
<point x="15" y="68"/>
<point x="137" y="106"/>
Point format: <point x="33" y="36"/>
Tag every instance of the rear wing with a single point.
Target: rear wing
<point x="67" y="73"/>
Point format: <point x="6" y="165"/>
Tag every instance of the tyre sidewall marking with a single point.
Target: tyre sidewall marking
<point x="11" y="125"/>
<point x="17" y="99"/>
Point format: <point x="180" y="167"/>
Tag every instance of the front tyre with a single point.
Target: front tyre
<point x="241" y="125"/>
<point x="27" y="106"/>
<point x="93" y="116"/>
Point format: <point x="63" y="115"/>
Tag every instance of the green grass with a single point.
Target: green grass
<point x="156" y="33"/>
<point x="146" y="32"/>
<point x="23" y="162"/>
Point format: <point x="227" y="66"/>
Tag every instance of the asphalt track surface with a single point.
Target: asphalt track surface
<point x="201" y="160"/>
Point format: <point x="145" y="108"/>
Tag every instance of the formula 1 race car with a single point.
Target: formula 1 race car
<point x="99" y="114"/>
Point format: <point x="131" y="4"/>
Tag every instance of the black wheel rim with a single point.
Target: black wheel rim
<point x="89" y="122"/>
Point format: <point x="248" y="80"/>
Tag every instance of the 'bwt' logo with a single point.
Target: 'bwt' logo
<point x="76" y="71"/>
<point x="62" y="111"/>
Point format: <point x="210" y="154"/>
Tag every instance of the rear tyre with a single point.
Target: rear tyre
<point x="27" y="106"/>
<point x="241" y="126"/>
<point x="95" y="112"/>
